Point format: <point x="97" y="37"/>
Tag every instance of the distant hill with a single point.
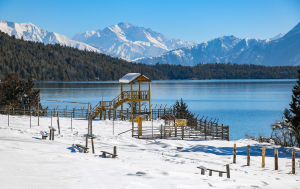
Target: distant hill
<point x="61" y="63"/>
<point x="282" y="50"/>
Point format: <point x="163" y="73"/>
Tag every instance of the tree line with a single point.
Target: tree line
<point x="61" y="63"/>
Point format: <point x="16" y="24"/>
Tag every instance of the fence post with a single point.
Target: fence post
<point x="182" y="132"/>
<point x="228" y="170"/>
<point x="248" y="155"/>
<point x="276" y="159"/>
<point x="161" y="131"/>
<point x="51" y="118"/>
<point x="205" y="129"/>
<point x="8" y="116"/>
<point x="263" y="157"/>
<point x="73" y="112"/>
<point x="234" y="153"/>
<point x="222" y="132"/>
<point x="293" y="162"/>
<point x="38" y="113"/>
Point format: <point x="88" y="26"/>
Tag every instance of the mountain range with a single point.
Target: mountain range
<point x="30" y="32"/>
<point x="139" y="44"/>
<point x="282" y="50"/>
<point x="130" y="42"/>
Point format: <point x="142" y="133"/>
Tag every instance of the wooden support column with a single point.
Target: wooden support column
<point x="140" y="81"/>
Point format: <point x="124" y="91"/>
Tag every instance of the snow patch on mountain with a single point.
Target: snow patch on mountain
<point x="30" y="32"/>
<point x="130" y="42"/>
<point x="280" y="50"/>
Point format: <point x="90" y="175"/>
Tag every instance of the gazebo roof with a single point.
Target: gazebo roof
<point x="128" y="78"/>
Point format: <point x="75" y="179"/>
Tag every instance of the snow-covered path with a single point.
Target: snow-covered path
<point x="26" y="161"/>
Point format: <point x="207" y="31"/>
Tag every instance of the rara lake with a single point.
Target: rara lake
<point x="247" y="106"/>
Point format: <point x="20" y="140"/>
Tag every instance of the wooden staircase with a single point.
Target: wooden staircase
<point x="110" y="105"/>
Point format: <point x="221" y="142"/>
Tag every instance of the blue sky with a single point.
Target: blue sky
<point x="186" y="20"/>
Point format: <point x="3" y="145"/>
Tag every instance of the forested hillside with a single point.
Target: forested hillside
<point x="60" y="63"/>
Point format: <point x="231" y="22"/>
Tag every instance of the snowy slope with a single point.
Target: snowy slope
<point x="29" y="162"/>
<point x="283" y="49"/>
<point x="32" y="33"/>
<point x="130" y="42"/>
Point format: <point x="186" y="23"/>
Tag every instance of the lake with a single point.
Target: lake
<point x="247" y="106"/>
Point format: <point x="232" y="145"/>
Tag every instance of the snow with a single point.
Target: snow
<point x="29" y="162"/>
<point x="129" y="77"/>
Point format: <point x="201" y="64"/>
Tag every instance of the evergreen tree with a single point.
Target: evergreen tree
<point x="292" y="115"/>
<point x="18" y="92"/>
<point x="181" y="111"/>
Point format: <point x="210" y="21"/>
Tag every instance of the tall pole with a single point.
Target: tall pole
<point x="149" y="100"/>
<point x="38" y="112"/>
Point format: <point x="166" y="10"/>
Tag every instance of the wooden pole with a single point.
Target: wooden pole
<point x="248" y="155"/>
<point x="150" y="101"/>
<point x="276" y="159"/>
<point x="115" y="150"/>
<point x="30" y="116"/>
<point x="93" y="145"/>
<point x="182" y="132"/>
<point x="86" y="142"/>
<point x="38" y="113"/>
<point x="234" y="153"/>
<point x="263" y="157"/>
<point x="50" y="134"/>
<point x="161" y="131"/>
<point x="293" y="162"/>
<point x="51" y="118"/>
<point x="8" y="117"/>
<point x="228" y="170"/>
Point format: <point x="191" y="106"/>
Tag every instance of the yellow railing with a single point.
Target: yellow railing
<point x="121" y="98"/>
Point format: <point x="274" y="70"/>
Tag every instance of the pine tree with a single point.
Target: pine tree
<point x="181" y="111"/>
<point x="292" y="115"/>
<point x="18" y="92"/>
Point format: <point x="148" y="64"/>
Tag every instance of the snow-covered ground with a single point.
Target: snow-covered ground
<point x="26" y="161"/>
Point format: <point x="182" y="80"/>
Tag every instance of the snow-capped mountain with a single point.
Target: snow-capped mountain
<point x="278" y="51"/>
<point x="130" y="42"/>
<point x="32" y="33"/>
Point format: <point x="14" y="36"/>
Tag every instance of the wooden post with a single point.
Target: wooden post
<point x="86" y="142"/>
<point x="38" y="113"/>
<point x="293" y="162"/>
<point x="276" y="159"/>
<point x="175" y="131"/>
<point x="205" y="129"/>
<point x="24" y="110"/>
<point x="182" y="132"/>
<point x="115" y="151"/>
<point x="50" y="134"/>
<point x="161" y="131"/>
<point x="210" y="172"/>
<point x="222" y="132"/>
<point x="248" y="155"/>
<point x="234" y="153"/>
<point x="228" y="170"/>
<point x="93" y="145"/>
<point x="51" y="118"/>
<point x="202" y="172"/>
<point x="263" y="157"/>
<point x="8" y="117"/>
<point x="30" y="116"/>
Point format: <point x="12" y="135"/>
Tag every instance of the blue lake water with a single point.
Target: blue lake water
<point x="247" y="106"/>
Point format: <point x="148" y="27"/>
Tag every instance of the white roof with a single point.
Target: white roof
<point x="130" y="77"/>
